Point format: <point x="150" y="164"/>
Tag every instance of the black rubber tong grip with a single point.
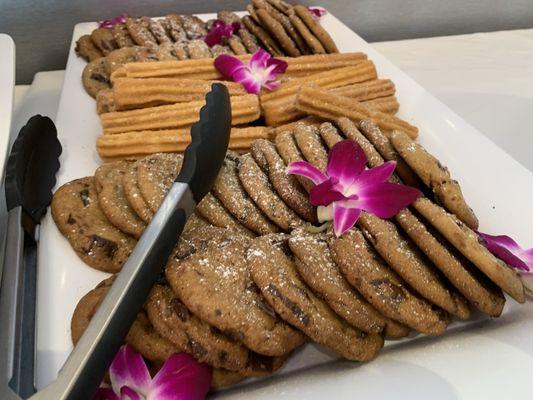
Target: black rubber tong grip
<point x="203" y="157"/>
<point x="32" y="166"/>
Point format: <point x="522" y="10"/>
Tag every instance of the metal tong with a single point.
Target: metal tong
<point x="86" y="366"/>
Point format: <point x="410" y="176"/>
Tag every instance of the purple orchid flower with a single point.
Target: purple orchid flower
<point x="261" y="71"/>
<point x="507" y="250"/>
<point x="220" y="31"/>
<point x="317" y="12"/>
<point x="347" y="187"/>
<point x="110" y="22"/>
<point x="181" y="377"/>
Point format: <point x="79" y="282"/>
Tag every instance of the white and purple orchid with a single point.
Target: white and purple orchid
<point x="220" y="31"/>
<point x="507" y="250"/>
<point x="348" y="187"/>
<point x="180" y="378"/>
<point x="317" y="12"/>
<point x="110" y="22"/>
<point x="260" y="72"/>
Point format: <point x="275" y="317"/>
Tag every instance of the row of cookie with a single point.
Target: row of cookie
<point x="178" y="330"/>
<point x="243" y="193"/>
<point x="284" y="29"/>
<point x="393" y="297"/>
<point x="182" y="31"/>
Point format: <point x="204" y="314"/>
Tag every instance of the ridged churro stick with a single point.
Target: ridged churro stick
<point x="180" y="115"/>
<point x="130" y="93"/>
<point x="367" y="90"/>
<point x="321" y="103"/>
<point x="387" y="104"/>
<point x="361" y="72"/>
<point x="205" y="69"/>
<point x="138" y="143"/>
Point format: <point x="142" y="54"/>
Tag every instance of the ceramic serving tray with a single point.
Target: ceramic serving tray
<point x="489" y="359"/>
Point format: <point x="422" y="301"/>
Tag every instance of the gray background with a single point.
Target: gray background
<point x="42" y="29"/>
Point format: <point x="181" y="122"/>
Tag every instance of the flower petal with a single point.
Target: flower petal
<point x="128" y="369"/>
<point x="259" y="59"/>
<point x="386" y="199"/>
<point x="324" y="213"/>
<point x="309" y="171"/>
<point x="280" y="66"/>
<point x="247" y="80"/>
<point x="346" y="162"/>
<point x="317" y="12"/>
<point x="325" y="193"/>
<point x="181" y="378"/>
<point x="127" y="393"/>
<point x="506" y="249"/>
<point x="376" y="175"/>
<point x="105" y="394"/>
<point x="228" y="65"/>
<point x="344" y="218"/>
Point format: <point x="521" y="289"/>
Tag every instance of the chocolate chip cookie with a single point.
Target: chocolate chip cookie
<point x="258" y="187"/>
<point x="273" y="271"/>
<point x="228" y="189"/>
<point x="382" y="287"/>
<point x="215" y="284"/>
<point x="78" y="216"/>
<point x="94" y="77"/>
<point x="113" y="201"/>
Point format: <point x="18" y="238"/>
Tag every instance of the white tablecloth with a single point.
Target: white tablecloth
<point x="487" y="78"/>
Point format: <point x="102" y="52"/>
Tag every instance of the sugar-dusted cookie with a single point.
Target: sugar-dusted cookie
<point x="213" y="211"/>
<point x="94" y="77"/>
<point x="470" y="245"/>
<point x="86" y="48"/>
<point x="78" y="216"/>
<point x="133" y="194"/>
<point x="314" y="26"/>
<point x="273" y="271"/>
<point x="437" y="177"/>
<point x="287" y="186"/>
<point x="278" y="32"/>
<point x="215" y="284"/>
<point x="121" y="35"/>
<point x="113" y="201"/>
<point x="228" y="189"/>
<point x="409" y="263"/>
<point x="103" y="39"/>
<point x="260" y="190"/>
<point x="382" y="287"/>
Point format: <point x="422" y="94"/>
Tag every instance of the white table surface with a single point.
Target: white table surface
<point x="486" y="78"/>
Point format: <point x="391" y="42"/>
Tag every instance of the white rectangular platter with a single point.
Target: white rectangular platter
<point x="490" y="359"/>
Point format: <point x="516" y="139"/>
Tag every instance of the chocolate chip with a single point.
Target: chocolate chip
<point x="218" y="312"/>
<point x="259" y="362"/>
<point x="198" y="351"/>
<point x="263" y="305"/>
<point x="235" y="335"/>
<point x="99" y="77"/>
<point x="108" y="247"/>
<point x="252" y="287"/>
<point x="388" y="289"/>
<point x="85" y="199"/>
<point x="223" y="357"/>
<point x="292" y="306"/>
<point x="71" y="220"/>
<point x="179" y="308"/>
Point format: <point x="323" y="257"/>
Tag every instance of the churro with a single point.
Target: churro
<point x="284" y="110"/>
<point x="139" y="93"/>
<point x="125" y="145"/>
<point x="320" y="103"/>
<point x="180" y="115"/>
<point x="331" y="78"/>
<point x="204" y="68"/>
